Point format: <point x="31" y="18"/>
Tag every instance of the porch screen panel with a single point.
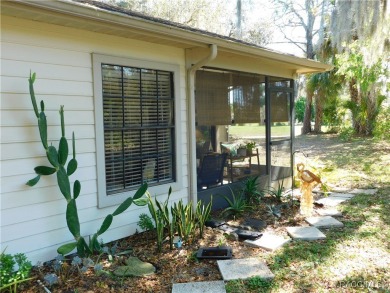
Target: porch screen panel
<point x="280" y="107"/>
<point x="212" y="98"/>
<point x="138" y="107"/>
<point x="246" y="98"/>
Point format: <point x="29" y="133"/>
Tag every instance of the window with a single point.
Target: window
<point x="137" y="126"/>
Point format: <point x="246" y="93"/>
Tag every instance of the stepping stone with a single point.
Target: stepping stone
<point x="227" y="229"/>
<point x="324" y="222"/>
<point x="329" y="212"/>
<point x="214" y="223"/>
<point x="255" y="224"/>
<point x="343" y="195"/>
<point x="305" y="233"/>
<point x="200" y="287"/>
<point x="332" y="201"/>
<point x="365" y="191"/>
<point x="268" y="241"/>
<point x="245" y="234"/>
<point x="244" y="268"/>
<point x="340" y="189"/>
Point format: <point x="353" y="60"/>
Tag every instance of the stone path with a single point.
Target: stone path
<point x="268" y="241"/>
<point x="305" y="233"/>
<point x="324" y="222"/>
<point x="245" y="268"/>
<point x="199" y="287"/>
<point x="329" y="212"/>
<point x="233" y="269"/>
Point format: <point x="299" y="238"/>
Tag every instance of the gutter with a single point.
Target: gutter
<point x="193" y="185"/>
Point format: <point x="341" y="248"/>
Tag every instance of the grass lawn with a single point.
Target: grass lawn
<point x="257" y="130"/>
<point x="355" y="258"/>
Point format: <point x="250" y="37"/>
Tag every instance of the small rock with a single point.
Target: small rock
<point x="233" y="236"/>
<point x="255" y="224"/>
<point x="202" y="272"/>
<point x="214" y="223"/>
<point x="135" y="267"/>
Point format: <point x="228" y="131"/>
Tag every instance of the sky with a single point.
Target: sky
<point x="263" y="9"/>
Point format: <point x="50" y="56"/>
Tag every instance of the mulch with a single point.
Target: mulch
<point x="172" y="266"/>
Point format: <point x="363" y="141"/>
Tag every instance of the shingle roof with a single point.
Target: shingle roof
<point x="134" y="14"/>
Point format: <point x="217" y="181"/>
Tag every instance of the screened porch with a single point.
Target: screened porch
<point x="245" y="120"/>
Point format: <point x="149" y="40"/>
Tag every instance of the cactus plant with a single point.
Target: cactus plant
<point x="58" y="159"/>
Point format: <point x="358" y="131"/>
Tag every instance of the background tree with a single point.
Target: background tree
<point x="366" y="96"/>
<point x="304" y="18"/>
<point x="220" y="16"/>
<point x="325" y="86"/>
<point x="361" y="33"/>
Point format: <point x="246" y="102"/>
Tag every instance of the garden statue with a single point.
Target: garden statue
<point x="309" y="181"/>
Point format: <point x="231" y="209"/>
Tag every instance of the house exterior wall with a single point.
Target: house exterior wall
<point x="33" y="218"/>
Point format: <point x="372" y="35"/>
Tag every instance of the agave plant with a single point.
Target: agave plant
<point x="251" y="191"/>
<point x="237" y="205"/>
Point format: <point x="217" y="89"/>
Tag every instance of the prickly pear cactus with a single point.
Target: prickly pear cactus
<point x="58" y="159"/>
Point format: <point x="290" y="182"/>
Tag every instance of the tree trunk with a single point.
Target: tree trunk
<point x="319" y="114"/>
<point x="306" y="128"/>
<point x="354" y="94"/>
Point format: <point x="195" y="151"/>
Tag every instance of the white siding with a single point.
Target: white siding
<point x="33" y="218"/>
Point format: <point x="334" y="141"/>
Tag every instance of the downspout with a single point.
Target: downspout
<point x="191" y="122"/>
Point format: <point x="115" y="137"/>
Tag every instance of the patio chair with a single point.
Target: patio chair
<point x="211" y="170"/>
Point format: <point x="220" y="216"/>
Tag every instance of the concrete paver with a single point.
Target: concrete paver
<point x="370" y="191"/>
<point x="331" y="201"/>
<point x="305" y="233"/>
<point x="268" y="241"/>
<point x="199" y="287"/>
<point x="329" y="212"/>
<point x="324" y="222"/>
<point x="243" y="269"/>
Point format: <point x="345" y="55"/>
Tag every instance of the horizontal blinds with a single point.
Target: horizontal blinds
<point x="139" y="126"/>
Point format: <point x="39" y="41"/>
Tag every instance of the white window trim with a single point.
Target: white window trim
<point x="105" y="200"/>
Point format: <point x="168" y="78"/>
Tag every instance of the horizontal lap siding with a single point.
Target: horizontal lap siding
<point x="33" y="219"/>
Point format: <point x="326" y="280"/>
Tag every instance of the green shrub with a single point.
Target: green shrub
<point x="145" y="222"/>
<point x="382" y="124"/>
<point x="300" y="105"/>
<point x="346" y="133"/>
<point x="10" y="278"/>
<point x="333" y="113"/>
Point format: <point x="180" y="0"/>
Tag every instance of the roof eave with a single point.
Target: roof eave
<point x="169" y="32"/>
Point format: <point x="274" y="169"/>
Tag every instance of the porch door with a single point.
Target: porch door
<point x="279" y="132"/>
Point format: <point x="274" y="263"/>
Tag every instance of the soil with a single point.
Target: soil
<point x="172" y="266"/>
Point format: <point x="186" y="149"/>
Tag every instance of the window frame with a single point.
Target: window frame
<point x="104" y="199"/>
